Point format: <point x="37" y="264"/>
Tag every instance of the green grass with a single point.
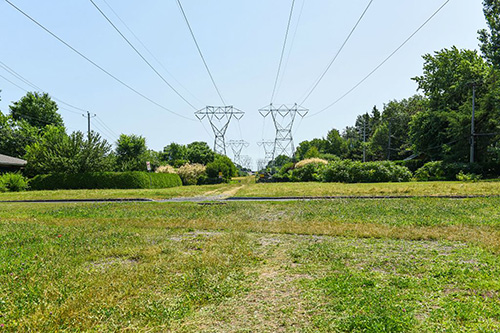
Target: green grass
<point x="380" y="189"/>
<point x="408" y="265"/>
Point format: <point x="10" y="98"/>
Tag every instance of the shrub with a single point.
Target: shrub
<point x="468" y="177"/>
<point x="165" y="169"/>
<point x="13" y="182"/>
<point x="430" y="171"/>
<point x="220" y="164"/>
<point x="310" y="161"/>
<point x="439" y="170"/>
<point x="348" y="171"/>
<point x="308" y="172"/>
<point x="191" y="173"/>
<point x="105" y="180"/>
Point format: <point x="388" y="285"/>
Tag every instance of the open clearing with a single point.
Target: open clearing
<point x="398" y="265"/>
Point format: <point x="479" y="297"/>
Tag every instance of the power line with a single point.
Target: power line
<point x="199" y="51"/>
<point x="140" y="54"/>
<point x="32" y="85"/>
<point x="149" y="51"/>
<point x="315" y="85"/>
<point x="383" y="62"/>
<point x="95" y="64"/>
<point x="17" y="75"/>
<point x="283" y="50"/>
<point x="291" y="45"/>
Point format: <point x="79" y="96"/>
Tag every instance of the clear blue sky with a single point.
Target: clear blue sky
<point x="242" y="42"/>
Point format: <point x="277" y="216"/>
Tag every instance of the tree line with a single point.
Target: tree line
<point x="436" y="124"/>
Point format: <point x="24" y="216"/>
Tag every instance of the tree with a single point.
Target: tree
<point x="335" y="145"/>
<point x="199" y="152"/>
<point x="449" y="75"/>
<point x="15" y="136"/>
<point x="58" y="152"/>
<point x="39" y="110"/>
<point x="490" y="40"/>
<point x="131" y="153"/>
<point x="175" y="154"/>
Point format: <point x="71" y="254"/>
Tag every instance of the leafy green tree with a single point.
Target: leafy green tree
<point x="449" y="75"/>
<point x="131" y="153"/>
<point x="335" y="145"/>
<point x="37" y="109"/>
<point x="395" y="122"/>
<point x="58" y="152"/>
<point x="448" y="81"/>
<point x="199" y="152"/>
<point x="175" y="154"/>
<point x="15" y="136"/>
<point x="490" y="39"/>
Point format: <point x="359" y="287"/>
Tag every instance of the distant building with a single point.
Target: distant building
<point x="11" y="164"/>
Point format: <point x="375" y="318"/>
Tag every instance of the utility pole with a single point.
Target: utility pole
<point x="472" y="130"/>
<point x="88" y="115"/>
<point x="389" y="142"/>
<point x="364" y="139"/>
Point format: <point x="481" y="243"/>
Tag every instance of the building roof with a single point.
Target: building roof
<point x="11" y="161"/>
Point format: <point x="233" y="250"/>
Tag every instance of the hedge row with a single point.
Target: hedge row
<point x="105" y="180"/>
<point x="345" y="171"/>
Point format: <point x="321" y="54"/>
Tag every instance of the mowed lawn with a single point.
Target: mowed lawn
<point x="348" y="265"/>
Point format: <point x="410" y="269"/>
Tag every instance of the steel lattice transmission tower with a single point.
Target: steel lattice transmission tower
<point x="237" y="146"/>
<point x="283" y="118"/>
<point x="268" y="149"/>
<point x="219" y="118"/>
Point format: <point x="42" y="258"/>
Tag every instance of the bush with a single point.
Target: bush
<point x="13" y="182"/>
<point x="439" y="170"/>
<point x="413" y="165"/>
<point x="348" y="171"/>
<point x="309" y="171"/>
<point x="468" y="177"/>
<point x="105" y="180"/>
<point x="220" y="164"/>
<point x="310" y="161"/>
<point x="191" y="173"/>
<point x="165" y="169"/>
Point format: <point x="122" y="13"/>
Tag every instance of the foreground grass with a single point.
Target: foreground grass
<point x="341" y="265"/>
<point x="315" y="189"/>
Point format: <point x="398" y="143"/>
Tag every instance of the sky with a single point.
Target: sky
<point x="241" y="42"/>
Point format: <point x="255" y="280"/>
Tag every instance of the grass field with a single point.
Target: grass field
<point x="398" y="265"/>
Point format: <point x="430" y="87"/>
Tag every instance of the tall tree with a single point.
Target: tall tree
<point x="39" y="110"/>
<point x="15" y="136"/>
<point x="490" y="39"/>
<point x="199" y="152"/>
<point x="131" y="153"/>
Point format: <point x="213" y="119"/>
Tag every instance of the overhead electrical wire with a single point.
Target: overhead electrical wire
<point x="291" y="45"/>
<point x="283" y="50"/>
<point x="149" y="51"/>
<point x="320" y="78"/>
<point x="384" y="61"/>
<point x="32" y="85"/>
<point x="95" y="64"/>
<point x="201" y="53"/>
<point x="141" y="56"/>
